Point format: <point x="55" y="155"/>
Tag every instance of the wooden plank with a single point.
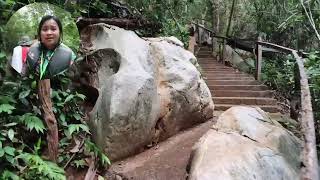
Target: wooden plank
<point x="266" y="49"/>
<point x="275" y="46"/>
<point x="310" y="159"/>
<point x="258" y="61"/>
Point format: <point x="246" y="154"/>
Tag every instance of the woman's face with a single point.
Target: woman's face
<point x="50" y="34"/>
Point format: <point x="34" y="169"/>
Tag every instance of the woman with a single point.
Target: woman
<point x="47" y="58"/>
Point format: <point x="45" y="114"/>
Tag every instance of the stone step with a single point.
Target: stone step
<point x="232" y="82"/>
<point x="242" y="93"/>
<point x="236" y="87"/>
<point x="267" y="108"/>
<point x="245" y="100"/>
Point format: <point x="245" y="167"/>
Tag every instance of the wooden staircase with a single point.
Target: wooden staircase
<point x="230" y="87"/>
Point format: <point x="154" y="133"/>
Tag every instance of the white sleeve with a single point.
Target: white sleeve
<point x="16" y="61"/>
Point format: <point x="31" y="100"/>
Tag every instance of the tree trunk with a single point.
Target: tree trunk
<point x="230" y="18"/>
<point x="44" y="88"/>
<point x="215" y="25"/>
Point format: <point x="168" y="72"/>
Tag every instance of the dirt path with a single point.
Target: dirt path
<point x="166" y="161"/>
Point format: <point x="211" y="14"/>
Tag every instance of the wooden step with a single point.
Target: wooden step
<point x="267" y="108"/>
<point x="236" y="87"/>
<point x="231" y="87"/>
<point x="241" y="93"/>
<point x="231" y="74"/>
<point x="204" y="56"/>
<point x="231" y="82"/>
<point x="228" y="78"/>
<point x="222" y="72"/>
<point x="212" y="67"/>
<point x="245" y="100"/>
<point x="226" y="75"/>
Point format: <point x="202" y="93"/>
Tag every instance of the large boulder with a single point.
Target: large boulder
<point x="236" y="60"/>
<point x="246" y="143"/>
<point x="145" y="89"/>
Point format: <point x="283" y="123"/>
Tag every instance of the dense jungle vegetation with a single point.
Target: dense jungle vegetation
<point x="291" y="23"/>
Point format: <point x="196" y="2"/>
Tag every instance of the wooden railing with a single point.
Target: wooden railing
<point x="310" y="161"/>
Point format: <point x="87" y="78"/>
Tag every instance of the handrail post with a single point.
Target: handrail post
<point x="223" y="53"/>
<point x="258" y="60"/>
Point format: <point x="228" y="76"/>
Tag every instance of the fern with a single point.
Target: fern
<point x="91" y="147"/>
<point x="76" y="128"/>
<point x="33" y="122"/>
<point x="6" y="108"/>
<point x="9" y="175"/>
<point x="37" y="167"/>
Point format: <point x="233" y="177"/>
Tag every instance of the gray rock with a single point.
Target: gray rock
<point x="148" y="90"/>
<point x="235" y="59"/>
<point x="246" y="144"/>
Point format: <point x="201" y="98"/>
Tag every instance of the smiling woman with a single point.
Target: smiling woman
<point x="47" y="58"/>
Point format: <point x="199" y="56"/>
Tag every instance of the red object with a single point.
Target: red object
<point x="25" y="51"/>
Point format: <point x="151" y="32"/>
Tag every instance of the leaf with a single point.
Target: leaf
<point x="79" y="163"/>
<point x="9" y="150"/>
<point x="76" y="128"/>
<point x="1" y="152"/>
<point x="85" y="128"/>
<point x="9" y="175"/>
<point x="11" y="134"/>
<point x="81" y="96"/>
<point x="100" y="178"/>
<point x="10" y="159"/>
<point x="7" y="108"/>
<point x="24" y="94"/>
<point x="62" y="117"/>
<point x="68" y="98"/>
<point x="33" y="122"/>
<point x="10" y="124"/>
<point x="77" y="116"/>
<point x="2" y="55"/>
<point x="72" y="128"/>
<point x="104" y="159"/>
<point x="6" y="100"/>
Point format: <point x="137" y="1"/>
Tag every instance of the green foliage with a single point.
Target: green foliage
<point x="174" y="16"/>
<point x="37" y="167"/>
<point x="25" y="22"/>
<point x="313" y="69"/>
<point x="6" y="108"/>
<point x="22" y="130"/>
<point x="33" y="123"/>
<point x="278" y="73"/>
<point x="91" y="147"/>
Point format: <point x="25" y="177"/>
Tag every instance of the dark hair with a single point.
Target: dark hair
<point x="46" y="18"/>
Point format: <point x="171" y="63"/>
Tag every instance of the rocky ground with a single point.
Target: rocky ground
<point x="166" y="161"/>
